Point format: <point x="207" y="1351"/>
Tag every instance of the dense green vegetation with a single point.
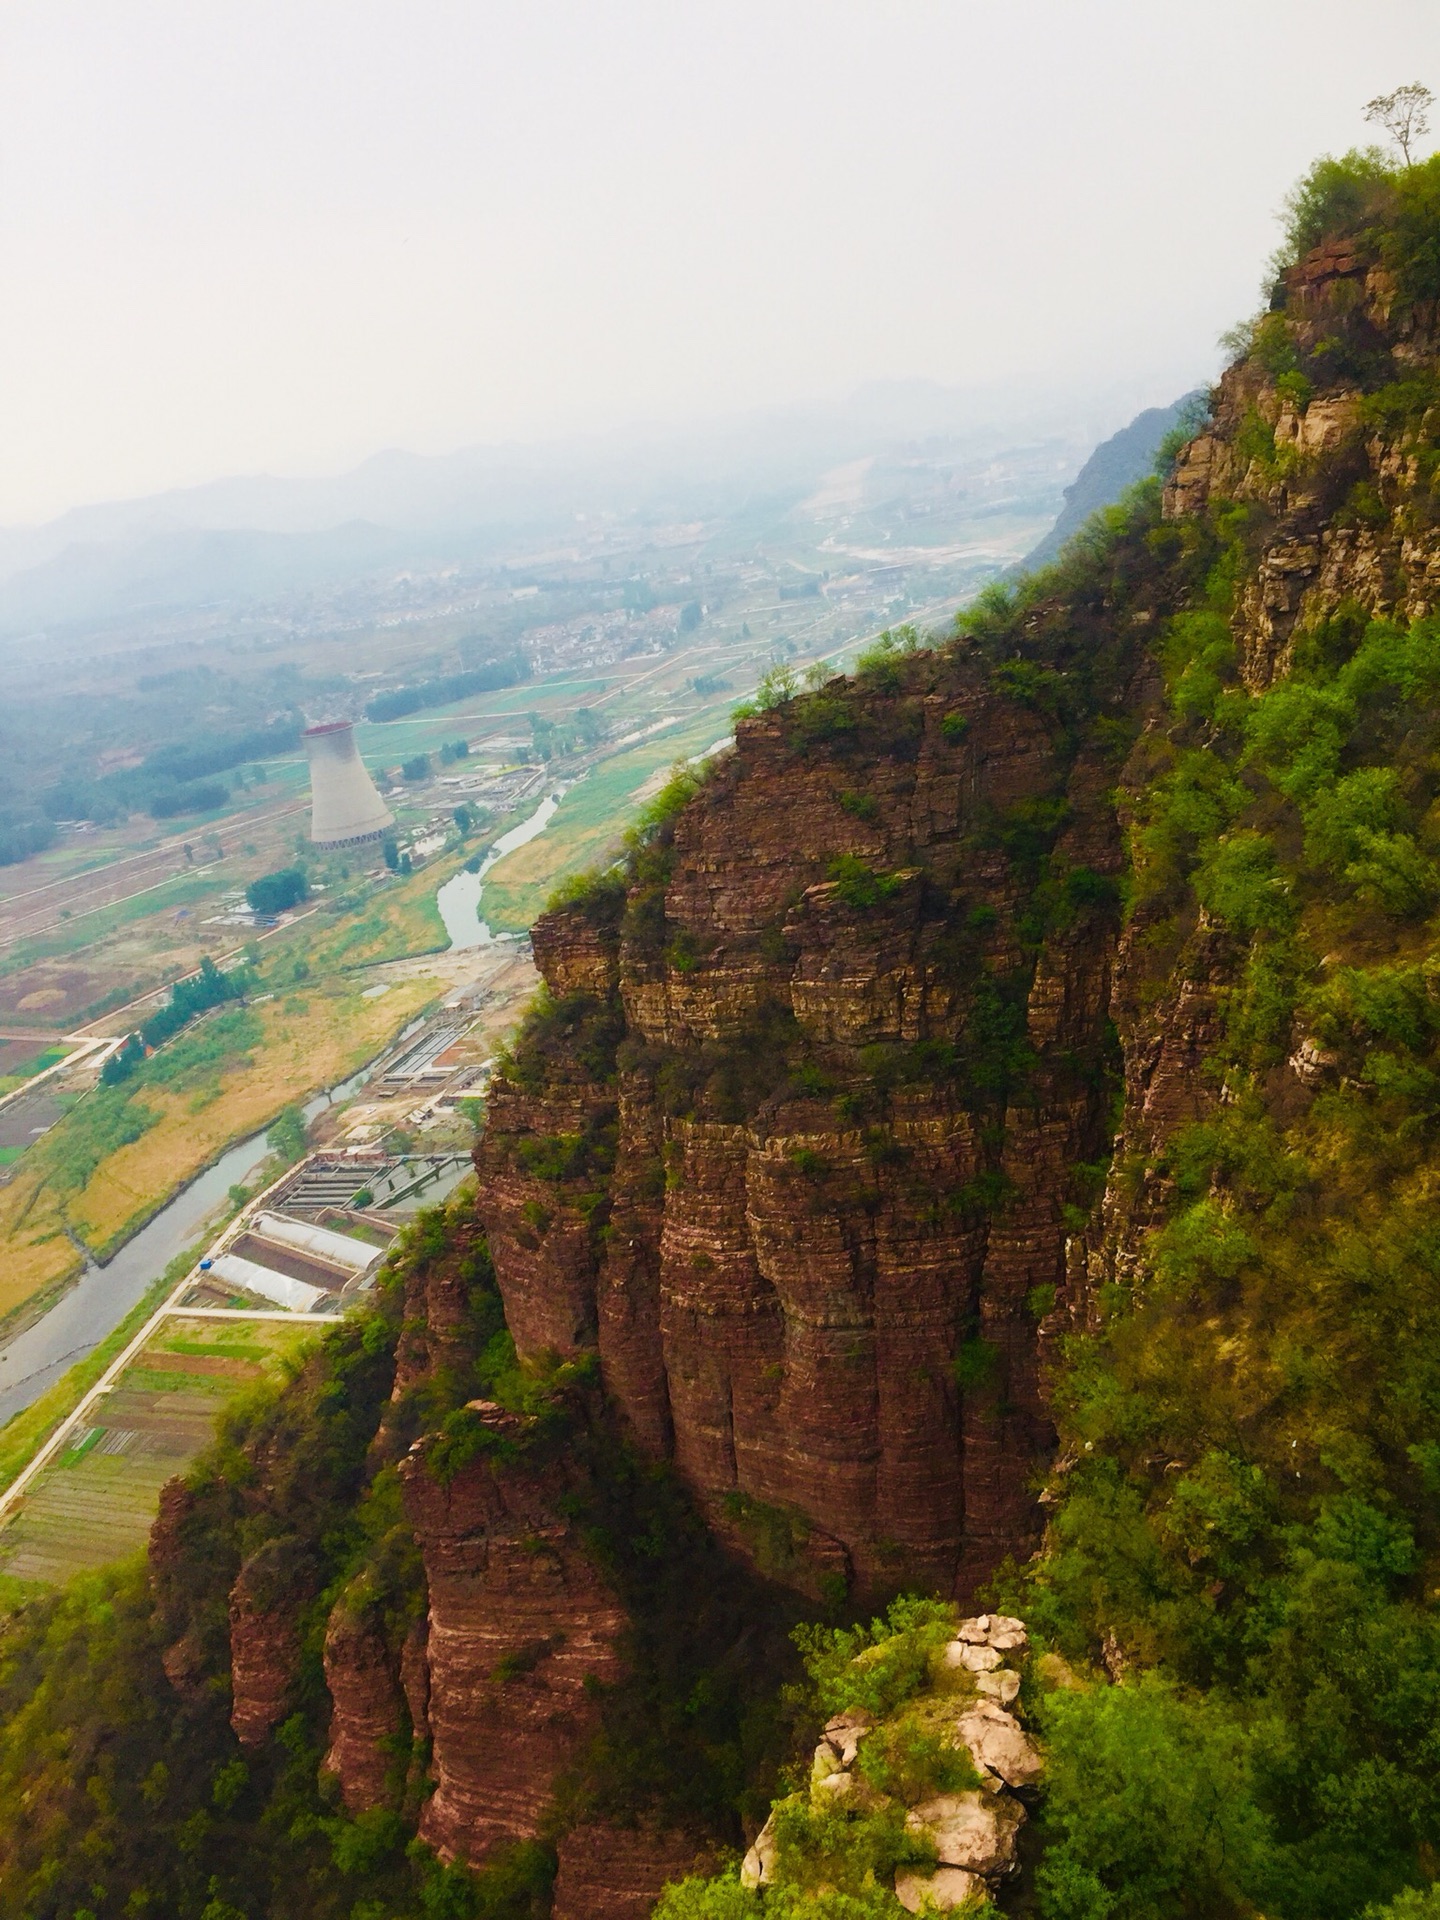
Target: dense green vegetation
<point x="1252" y="1508"/>
<point x="198" y="993"/>
<point x="508" y="671"/>
<point x="23" y="831"/>
<point x="171" y="780"/>
<point x="277" y="892"/>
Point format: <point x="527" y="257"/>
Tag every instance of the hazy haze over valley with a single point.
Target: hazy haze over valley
<point x="281" y="239"/>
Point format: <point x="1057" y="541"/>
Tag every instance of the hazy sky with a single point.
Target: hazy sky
<point x="241" y="236"/>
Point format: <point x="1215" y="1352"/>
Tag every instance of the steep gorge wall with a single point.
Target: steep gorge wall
<point x="794" y="1152"/>
<point x="520" y="1627"/>
<point x="802" y="1156"/>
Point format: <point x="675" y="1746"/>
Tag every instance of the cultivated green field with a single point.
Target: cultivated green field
<point x="95" y="1504"/>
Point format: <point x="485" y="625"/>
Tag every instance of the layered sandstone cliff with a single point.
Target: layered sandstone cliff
<point x="795" y="1149"/>
<point x="521" y="1630"/>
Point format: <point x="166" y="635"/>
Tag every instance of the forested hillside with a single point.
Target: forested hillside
<point x="977" y="1150"/>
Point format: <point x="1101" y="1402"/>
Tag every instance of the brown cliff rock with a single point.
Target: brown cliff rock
<point x="538" y="1230"/>
<point x="433" y="1335"/>
<point x="790" y="1272"/>
<point x="192" y="1568"/>
<point x="266" y="1602"/>
<point x="183" y="1658"/>
<point x="519" y="1621"/>
<point x="618" y="1873"/>
<point x="368" y="1708"/>
<point x="415" y="1678"/>
<point x="578" y="952"/>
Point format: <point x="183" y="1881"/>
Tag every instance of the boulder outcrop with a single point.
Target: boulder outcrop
<point x="966" y="1837"/>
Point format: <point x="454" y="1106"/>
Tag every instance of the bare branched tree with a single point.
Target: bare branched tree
<point x="1404" y="114"/>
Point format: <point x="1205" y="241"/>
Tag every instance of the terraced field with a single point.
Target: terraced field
<point x="96" y="1503"/>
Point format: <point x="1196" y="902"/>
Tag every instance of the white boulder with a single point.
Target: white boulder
<point x="1007" y="1633"/>
<point x="845" y="1732"/>
<point x="757" y="1869"/>
<point x="1002" y="1685"/>
<point x="971" y="1830"/>
<point x="999" y="1630"/>
<point x="973" y="1659"/>
<point x="998" y="1744"/>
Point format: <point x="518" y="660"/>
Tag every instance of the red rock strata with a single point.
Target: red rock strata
<point x="265" y="1606"/>
<point x="789" y="1273"/>
<point x="519" y="1621"/>
<point x="618" y="1873"/>
<point x="369" y="1713"/>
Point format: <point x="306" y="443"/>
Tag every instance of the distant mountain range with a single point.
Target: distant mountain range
<point x="1117" y="463"/>
<point x="253" y="538"/>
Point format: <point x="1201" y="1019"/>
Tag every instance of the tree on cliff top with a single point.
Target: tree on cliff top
<point x="1404" y="114"/>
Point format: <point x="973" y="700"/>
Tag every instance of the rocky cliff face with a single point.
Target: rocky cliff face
<point x="1341" y="505"/>
<point x="521" y="1628"/>
<point x="615" y="1873"/>
<point x="266" y="1602"/>
<point x="800" y="1147"/>
<point x="795" y="1148"/>
<point x="368" y="1717"/>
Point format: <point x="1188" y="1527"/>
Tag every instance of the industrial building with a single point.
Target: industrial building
<point x="345" y="808"/>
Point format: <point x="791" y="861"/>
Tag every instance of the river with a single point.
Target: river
<point x="459" y="899"/>
<point x="102" y="1296"/>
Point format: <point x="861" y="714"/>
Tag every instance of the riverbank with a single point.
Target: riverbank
<point x="122" y="1155"/>
<point x="458" y="901"/>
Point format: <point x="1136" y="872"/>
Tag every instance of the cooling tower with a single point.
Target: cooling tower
<point x="344" y="806"/>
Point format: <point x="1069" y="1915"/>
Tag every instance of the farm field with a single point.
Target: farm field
<point x="589" y="821"/>
<point x="22" y="1058"/>
<point x="96" y="1503"/>
<point x="108" y="1165"/>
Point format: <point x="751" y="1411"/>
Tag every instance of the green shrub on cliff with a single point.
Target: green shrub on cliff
<point x="725" y="1899"/>
<point x="1254" y="1425"/>
<point x="1151" y="1808"/>
<point x="1337" y="196"/>
<point x="894" y="1657"/>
